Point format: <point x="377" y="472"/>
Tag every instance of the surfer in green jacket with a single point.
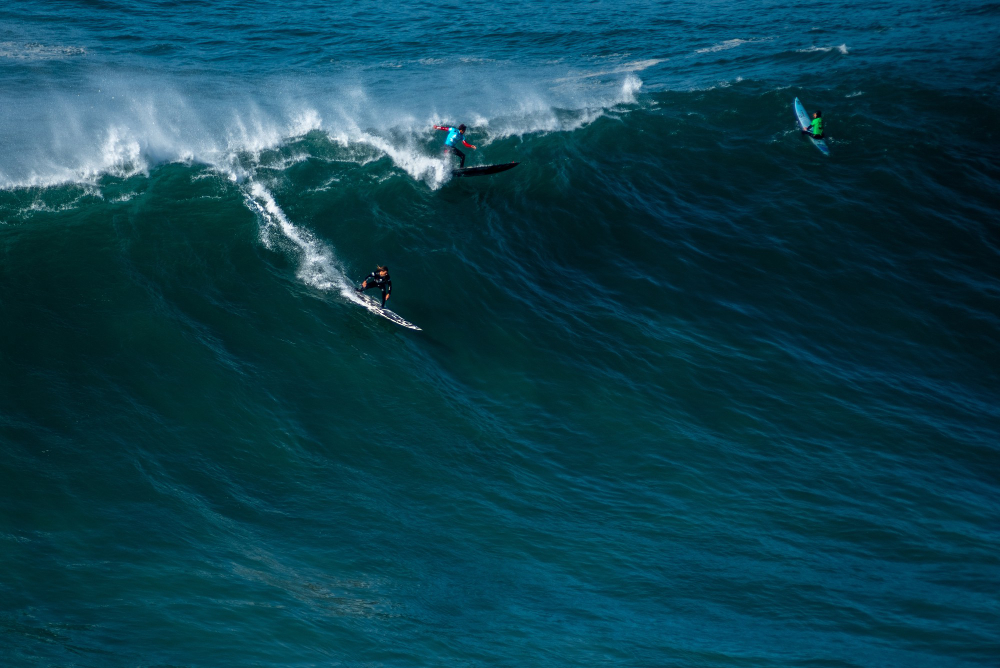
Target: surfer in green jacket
<point x="816" y="126"/>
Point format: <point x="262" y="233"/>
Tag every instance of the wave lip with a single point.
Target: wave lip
<point x="128" y="127"/>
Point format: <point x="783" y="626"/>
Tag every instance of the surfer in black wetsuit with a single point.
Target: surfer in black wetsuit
<point x="378" y="279"/>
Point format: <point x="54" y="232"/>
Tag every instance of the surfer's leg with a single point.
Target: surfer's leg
<point x="460" y="155"/>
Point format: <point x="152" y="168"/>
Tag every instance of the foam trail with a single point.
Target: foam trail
<point x="318" y="266"/>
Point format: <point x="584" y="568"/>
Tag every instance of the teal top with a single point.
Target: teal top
<point x="453" y="135"/>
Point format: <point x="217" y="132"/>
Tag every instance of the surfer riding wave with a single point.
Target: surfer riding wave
<point x="378" y="279"/>
<point x="455" y="135"/>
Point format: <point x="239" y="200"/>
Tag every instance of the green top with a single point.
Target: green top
<point x="817" y="127"/>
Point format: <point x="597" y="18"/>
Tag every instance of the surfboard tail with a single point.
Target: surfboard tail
<point x="484" y="170"/>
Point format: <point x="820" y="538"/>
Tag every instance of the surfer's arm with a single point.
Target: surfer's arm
<point x="441" y="127"/>
<point x="468" y="145"/>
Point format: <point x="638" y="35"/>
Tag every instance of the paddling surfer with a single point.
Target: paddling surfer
<point x="455" y="135"/>
<point x="816" y="126"/>
<point x="378" y="279"/>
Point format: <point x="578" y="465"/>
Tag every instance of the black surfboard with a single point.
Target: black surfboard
<point x="484" y="170"/>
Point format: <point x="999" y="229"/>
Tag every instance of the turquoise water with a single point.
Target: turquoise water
<point x="688" y="393"/>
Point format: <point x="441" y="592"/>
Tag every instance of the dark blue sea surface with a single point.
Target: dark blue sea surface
<point x="687" y="391"/>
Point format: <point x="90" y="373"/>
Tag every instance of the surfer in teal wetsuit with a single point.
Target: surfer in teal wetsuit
<point x="378" y="279"/>
<point x="816" y="126"/>
<point x="455" y="135"/>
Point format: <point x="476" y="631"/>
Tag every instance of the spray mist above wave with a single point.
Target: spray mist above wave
<point x="126" y="126"/>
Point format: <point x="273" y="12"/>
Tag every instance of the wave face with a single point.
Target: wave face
<point x="687" y="391"/>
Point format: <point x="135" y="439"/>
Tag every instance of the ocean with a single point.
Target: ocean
<point x="686" y="392"/>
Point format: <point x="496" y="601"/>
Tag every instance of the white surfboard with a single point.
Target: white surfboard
<point x="375" y="306"/>
<point x="803" y="117"/>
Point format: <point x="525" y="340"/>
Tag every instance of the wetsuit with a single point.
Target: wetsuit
<point x="816" y="128"/>
<point x="374" y="280"/>
<point x="449" y="142"/>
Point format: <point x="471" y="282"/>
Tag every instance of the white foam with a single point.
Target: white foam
<point x="38" y="205"/>
<point x="536" y="115"/>
<point x="842" y="49"/>
<point x="318" y="266"/>
<point x="725" y="83"/>
<point x="36" y="51"/>
<point x="86" y="142"/>
<point x="125" y="126"/>
<point x="630" y="87"/>
<point x="432" y="169"/>
<point x="723" y="46"/>
<point x="636" y="66"/>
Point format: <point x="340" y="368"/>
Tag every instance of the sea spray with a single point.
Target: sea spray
<point x="124" y="125"/>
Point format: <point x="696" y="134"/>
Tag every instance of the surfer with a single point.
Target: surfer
<point x="378" y="279"/>
<point x="816" y="126"/>
<point x="455" y="134"/>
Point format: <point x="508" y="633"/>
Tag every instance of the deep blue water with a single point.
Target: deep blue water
<point x="688" y="393"/>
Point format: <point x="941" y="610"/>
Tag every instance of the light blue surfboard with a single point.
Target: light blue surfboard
<point x="800" y="111"/>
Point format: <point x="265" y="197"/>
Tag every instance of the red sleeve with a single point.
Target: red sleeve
<point x="441" y="127"/>
<point x="467" y="144"/>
